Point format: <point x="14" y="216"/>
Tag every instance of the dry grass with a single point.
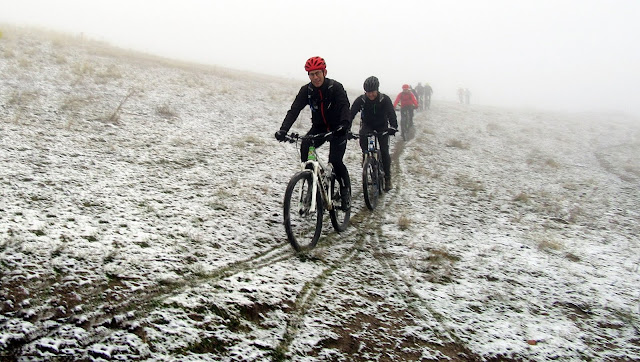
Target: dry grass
<point x="455" y="143"/>
<point x="166" y="111"/>
<point x="469" y="184"/>
<point x="404" y="222"/>
<point x="547" y="245"/>
<point x="521" y="197"/>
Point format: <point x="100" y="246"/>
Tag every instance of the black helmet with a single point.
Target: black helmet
<point x="371" y="84"/>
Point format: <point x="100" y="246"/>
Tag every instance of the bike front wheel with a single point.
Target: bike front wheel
<point x="370" y="183"/>
<point x="302" y="222"/>
<point x="339" y="213"/>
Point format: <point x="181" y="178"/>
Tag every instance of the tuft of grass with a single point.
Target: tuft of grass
<point x="166" y="111"/>
<point x="455" y="143"/>
<point x="114" y="118"/>
<point x="469" y="184"/>
<point x="547" y="244"/>
<point x="404" y="222"/>
<point x="521" y="197"/>
<point x="551" y="163"/>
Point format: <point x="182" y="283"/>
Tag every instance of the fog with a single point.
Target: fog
<point x="558" y="55"/>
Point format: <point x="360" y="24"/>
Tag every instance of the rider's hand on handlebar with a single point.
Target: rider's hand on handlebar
<point x="281" y="135"/>
<point x="340" y="131"/>
<point x="392" y="131"/>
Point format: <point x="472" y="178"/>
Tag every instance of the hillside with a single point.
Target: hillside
<point x="141" y="219"/>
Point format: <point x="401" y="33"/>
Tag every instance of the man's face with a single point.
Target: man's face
<point x="371" y="95"/>
<point x="317" y="77"/>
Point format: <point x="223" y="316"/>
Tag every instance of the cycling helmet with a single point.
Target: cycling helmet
<point x="315" y="63"/>
<point x="405" y="86"/>
<point x="371" y="84"/>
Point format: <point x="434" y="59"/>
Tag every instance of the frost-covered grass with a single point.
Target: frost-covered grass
<point x="157" y="234"/>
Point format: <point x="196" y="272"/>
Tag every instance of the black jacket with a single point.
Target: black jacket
<point x="329" y="106"/>
<point x="376" y="114"/>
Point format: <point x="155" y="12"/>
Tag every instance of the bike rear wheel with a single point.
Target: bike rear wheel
<point x="370" y="183"/>
<point x="404" y="125"/>
<point x="302" y="223"/>
<point x="339" y="214"/>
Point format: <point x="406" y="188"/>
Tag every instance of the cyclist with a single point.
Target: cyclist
<point x="407" y="102"/>
<point x="329" y="112"/>
<point x="376" y="113"/>
<point x="428" y="91"/>
<point x="420" y="95"/>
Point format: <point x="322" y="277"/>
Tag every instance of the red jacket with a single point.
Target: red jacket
<point x="405" y="99"/>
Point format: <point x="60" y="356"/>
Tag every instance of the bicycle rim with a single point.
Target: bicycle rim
<point x="369" y="184"/>
<point x="338" y="214"/>
<point x="302" y="224"/>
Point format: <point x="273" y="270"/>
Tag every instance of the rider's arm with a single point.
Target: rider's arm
<point x="395" y="104"/>
<point x="342" y="102"/>
<point x="391" y="113"/>
<point x="355" y="108"/>
<point x="414" y="100"/>
<point x="298" y="104"/>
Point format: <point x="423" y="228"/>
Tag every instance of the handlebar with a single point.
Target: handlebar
<point x="374" y="133"/>
<point x="294" y="136"/>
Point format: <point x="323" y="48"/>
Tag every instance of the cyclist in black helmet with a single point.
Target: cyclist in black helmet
<point x="376" y="113"/>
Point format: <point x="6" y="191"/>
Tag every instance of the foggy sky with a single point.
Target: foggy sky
<point x="573" y="55"/>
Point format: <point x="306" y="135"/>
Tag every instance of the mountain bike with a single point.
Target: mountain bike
<point x="373" y="178"/>
<point x="309" y="192"/>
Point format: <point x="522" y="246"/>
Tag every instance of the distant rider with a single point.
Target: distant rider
<point x="329" y="112"/>
<point x="407" y="102"/>
<point x="420" y="95"/>
<point x="428" y="91"/>
<point x="376" y="113"/>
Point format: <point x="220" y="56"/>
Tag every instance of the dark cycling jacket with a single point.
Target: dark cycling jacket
<point x="329" y="106"/>
<point x="376" y="114"/>
<point x="405" y="99"/>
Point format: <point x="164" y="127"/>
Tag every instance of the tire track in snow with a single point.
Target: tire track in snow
<point x="396" y="199"/>
<point x="138" y="305"/>
<point x="368" y="246"/>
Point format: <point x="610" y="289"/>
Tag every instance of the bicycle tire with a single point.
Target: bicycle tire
<point x="370" y="183"/>
<point x="303" y="226"/>
<point x="404" y="127"/>
<point x="339" y="216"/>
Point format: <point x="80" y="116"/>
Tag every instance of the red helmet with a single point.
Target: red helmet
<point x="405" y="86"/>
<point x="315" y="63"/>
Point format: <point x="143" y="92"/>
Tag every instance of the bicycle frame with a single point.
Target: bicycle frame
<point x="319" y="177"/>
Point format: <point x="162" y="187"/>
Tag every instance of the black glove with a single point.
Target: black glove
<point x="340" y="131"/>
<point x="392" y="131"/>
<point x="280" y="135"/>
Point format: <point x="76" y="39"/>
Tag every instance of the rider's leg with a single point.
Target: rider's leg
<point x="336" y="153"/>
<point x="410" y="117"/>
<point x="386" y="160"/>
<point x="364" y="146"/>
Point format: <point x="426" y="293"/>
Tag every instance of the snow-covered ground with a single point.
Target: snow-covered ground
<point x="141" y="219"/>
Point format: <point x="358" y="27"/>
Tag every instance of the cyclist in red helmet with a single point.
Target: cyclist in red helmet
<point x="407" y="102"/>
<point x="329" y="112"/>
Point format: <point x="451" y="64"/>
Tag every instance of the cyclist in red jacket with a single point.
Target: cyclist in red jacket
<point x="407" y="102"/>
